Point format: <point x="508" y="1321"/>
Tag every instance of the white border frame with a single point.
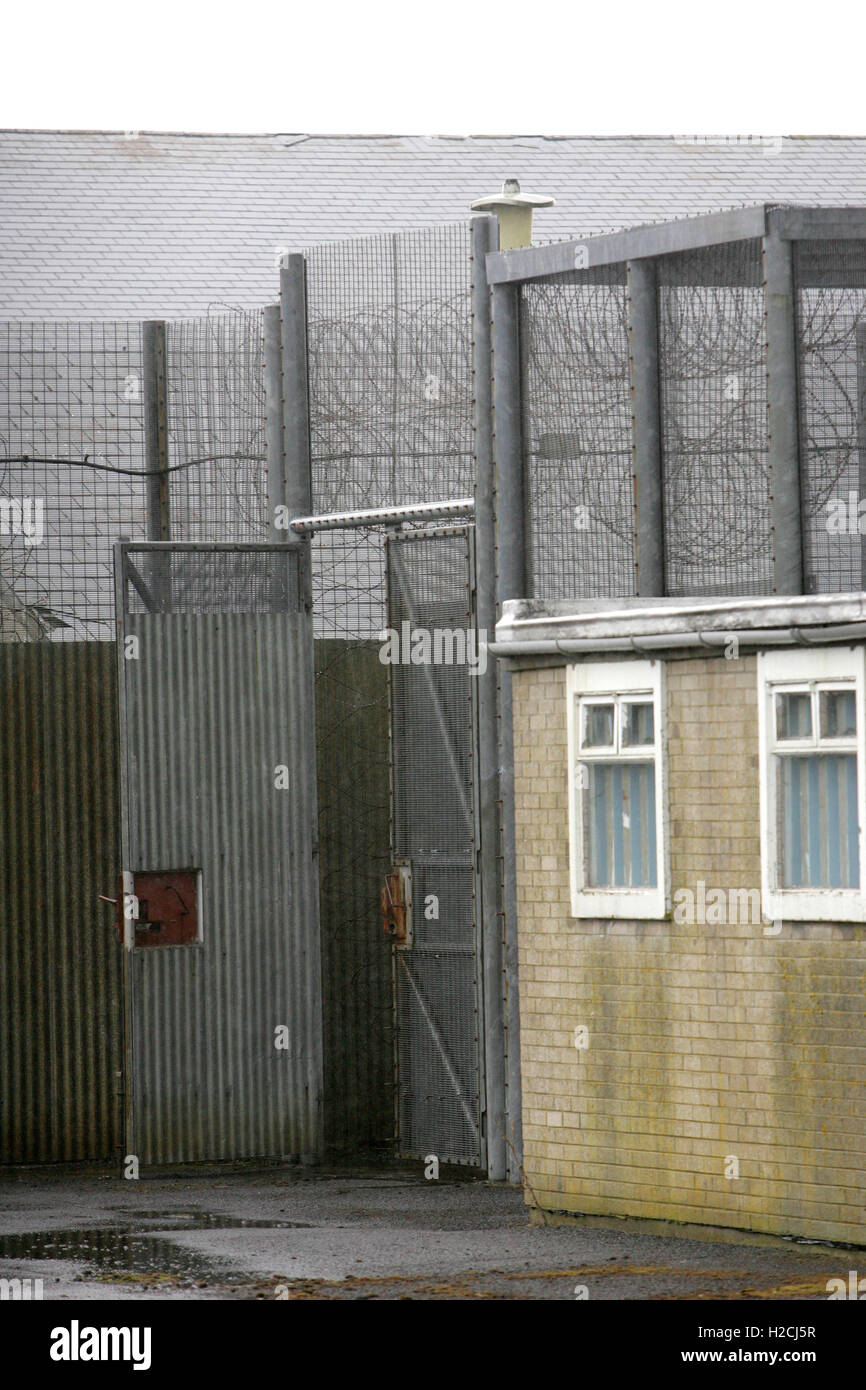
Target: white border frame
<point x="804" y="666"/>
<point x="617" y="678"/>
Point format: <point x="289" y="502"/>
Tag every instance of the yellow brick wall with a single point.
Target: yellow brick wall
<point x="704" y="1041"/>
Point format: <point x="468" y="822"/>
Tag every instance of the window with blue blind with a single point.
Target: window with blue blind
<point x="615" y="789"/>
<point x="812" y="783"/>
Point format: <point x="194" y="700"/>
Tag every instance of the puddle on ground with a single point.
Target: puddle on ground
<point x="127" y="1250"/>
<point x="190" y="1219"/>
<point x="110" y="1251"/>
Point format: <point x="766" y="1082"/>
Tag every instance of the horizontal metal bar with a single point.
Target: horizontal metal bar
<point x="382" y="516"/>
<point x="355" y="456"/>
<point x="432" y="533"/>
<point x="658" y="239"/>
<point x="816" y="224"/>
<point x="444" y="861"/>
<point x="433" y="952"/>
<point x="745" y="637"/>
<point x="183" y="547"/>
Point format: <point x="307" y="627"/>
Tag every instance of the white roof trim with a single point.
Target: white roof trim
<point x="526" y="623"/>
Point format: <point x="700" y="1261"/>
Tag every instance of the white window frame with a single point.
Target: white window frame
<point x="805" y="669"/>
<point x="608" y="680"/>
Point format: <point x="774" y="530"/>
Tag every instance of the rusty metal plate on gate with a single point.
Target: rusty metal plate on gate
<point x="397" y="905"/>
<point x="167" y="907"/>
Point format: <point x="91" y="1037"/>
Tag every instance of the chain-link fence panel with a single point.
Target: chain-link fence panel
<point x="712" y="370"/>
<point x="577" y="435"/>
<point x="831" y="339"/>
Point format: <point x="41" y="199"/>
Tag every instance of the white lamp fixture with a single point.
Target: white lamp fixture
<point x="514" y="210"/>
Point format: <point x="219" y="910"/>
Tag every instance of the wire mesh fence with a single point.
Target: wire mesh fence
<point x="391" y="413"/>
<point x="578" y="427"/>
<point x="391" y="369"/>
<point x="216" y="417"/>
<point x="229" y="579"/>
<point x="69" y="391"/>
<point x="831" y="332"/>
<point x="72" y="449"/>
<point x="577" y="435"/>
<point x="713" y="399"/>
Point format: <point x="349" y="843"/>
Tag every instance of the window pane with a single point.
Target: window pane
<point x="817" y="804"/>
<point x="838" y="713"/>
<point x="598" y="726"/>
<point x="637" y="724"/>
<point x="619" y="825"/>
<point x="794" y="715"/>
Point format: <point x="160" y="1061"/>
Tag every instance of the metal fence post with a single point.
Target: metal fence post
<point x="646" y="441"/>
<point x="782" y="421"/>
<point x="513" y="582"/>
<point x="499" y="1097"/>
<point x="155" y="393"/>
<point x="296" y="397"/>
<point x="510" y="504"/>
<point x="274" y="420"/>
<point x="298" y="485"/>
<point x="156" y="453"/>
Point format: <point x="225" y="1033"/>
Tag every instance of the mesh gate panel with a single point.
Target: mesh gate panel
<point x="831" y="337"/>
<point x="712" y="368"/>
<point x="431" y="1119"/>
<point x="577" y="435"/>
<point x="434" y="828"/>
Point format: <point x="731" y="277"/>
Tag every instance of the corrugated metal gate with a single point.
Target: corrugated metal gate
<point x="435" y="834"/>
<point x="222" y="970"/>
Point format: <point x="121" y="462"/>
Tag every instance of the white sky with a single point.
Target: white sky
<point x="761" y="67"/>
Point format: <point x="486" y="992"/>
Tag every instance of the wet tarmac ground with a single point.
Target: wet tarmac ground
<point x="331" y="1234"/>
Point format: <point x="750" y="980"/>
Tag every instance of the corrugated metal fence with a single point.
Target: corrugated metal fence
<point x="60" y="1005"/>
